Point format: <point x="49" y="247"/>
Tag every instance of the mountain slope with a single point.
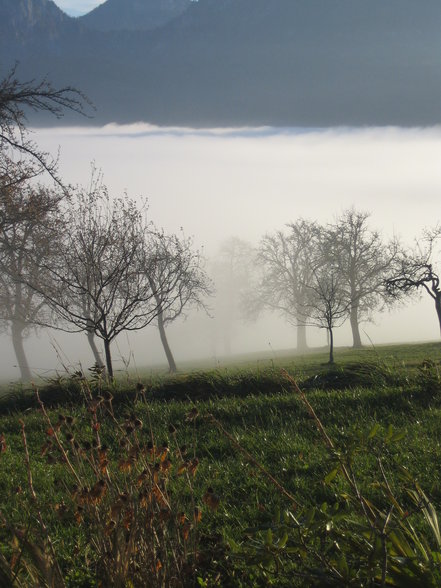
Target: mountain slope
<point x="145" y="15"/>
<point x="254" y="62"/>
<point x="25" y="20"/>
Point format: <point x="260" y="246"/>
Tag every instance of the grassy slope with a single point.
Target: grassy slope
<point x="396" y="386"/>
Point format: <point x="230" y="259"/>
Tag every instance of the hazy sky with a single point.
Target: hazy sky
<point x="217" y="184"/>
<point x="246" y="182"/>
<point x="77" y="7"/>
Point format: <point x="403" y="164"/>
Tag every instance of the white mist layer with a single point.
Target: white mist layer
<point x="219" y="183"/>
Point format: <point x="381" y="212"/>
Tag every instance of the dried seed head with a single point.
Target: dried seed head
<point x="166" y="465"/>
<point x="197" y="515"/>
<point x="110" y="526"/>
<point x="61" y="510"/>
<point x="192" y="415"/>
<point x="211" y="499"/>
<point x="193" y="466"/>
<point x="94" y="404"/>
<point x="107" y="396"/>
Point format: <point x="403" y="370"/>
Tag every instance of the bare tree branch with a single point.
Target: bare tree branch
<point x="16" y="147"/>
<point x="416" y="270"/>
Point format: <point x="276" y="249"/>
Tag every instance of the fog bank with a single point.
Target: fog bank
<point x="246" y="182"/>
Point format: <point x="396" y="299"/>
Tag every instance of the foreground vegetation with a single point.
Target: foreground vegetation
<point x="228" y="478"/>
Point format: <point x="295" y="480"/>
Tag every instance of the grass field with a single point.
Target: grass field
<point x="259" y="452"/>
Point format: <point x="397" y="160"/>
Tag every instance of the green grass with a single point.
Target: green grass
<point x="391" y="385"/>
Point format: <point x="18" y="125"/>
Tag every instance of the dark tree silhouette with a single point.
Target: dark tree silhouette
<point x="98" y="279"/>
<point x="286" y="260"/>
<point x="362" y="260"/>
<point x="27" y="231"/>
<point x="178" y="282"/>
<point x="416" y="271"/>
<point x="20" y="157"/>
<point x="326" y="306"/>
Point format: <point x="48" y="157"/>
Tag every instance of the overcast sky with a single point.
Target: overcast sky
<point x="77" y="7"/>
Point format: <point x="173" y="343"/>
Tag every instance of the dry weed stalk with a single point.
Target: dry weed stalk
<point x="132" y="500"/>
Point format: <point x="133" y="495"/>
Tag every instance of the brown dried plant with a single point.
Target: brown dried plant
<point x="132" y="500"/>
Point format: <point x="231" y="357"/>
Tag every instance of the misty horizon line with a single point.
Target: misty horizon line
<point x="220" y="360"/>
<point x="146" y="129"/>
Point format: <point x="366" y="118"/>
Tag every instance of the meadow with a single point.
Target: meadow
<point x="280" y="471"/>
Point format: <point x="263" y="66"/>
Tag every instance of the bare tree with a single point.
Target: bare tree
<point x="98" y="280"/>
<point x="327" y="305"/>
<point x="25" y="211"/>
<point x="415" y="270"/>
<point x="20" y="157"/>
<point x="286" y="261"/>
<point x="363" y="261"/>
<point x="178" y="282"/>
<point x="26" y="231"/>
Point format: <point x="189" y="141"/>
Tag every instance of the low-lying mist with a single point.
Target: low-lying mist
<point x="218" y="184"/>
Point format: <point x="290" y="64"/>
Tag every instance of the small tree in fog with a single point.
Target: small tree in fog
<point x="231" y="271"/>
<point x="27" y="231"/>
<point x="285" y="261"/>
<point x="178" y="281"/>
<point x="362" y="261"/>
<point x="326" y="306"/>
<point x="98" y="280"/>
<point x="415" y="270"/>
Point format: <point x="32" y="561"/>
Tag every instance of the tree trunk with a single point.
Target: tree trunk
<point x="108" y="358"/>
<point x="438" y="307"/>
<point x="17" y="341"/>
<point x="96" y="353"/>
<point x="355" y="327"/>
<point x="331" y="346"/>
<point x="302" y="344"/>
<point x="168" y="353"/>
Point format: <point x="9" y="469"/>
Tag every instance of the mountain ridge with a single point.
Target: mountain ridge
<point x="25" y="20"/>
<point x="132" y="15"/>
<point x="250" y="62"/>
